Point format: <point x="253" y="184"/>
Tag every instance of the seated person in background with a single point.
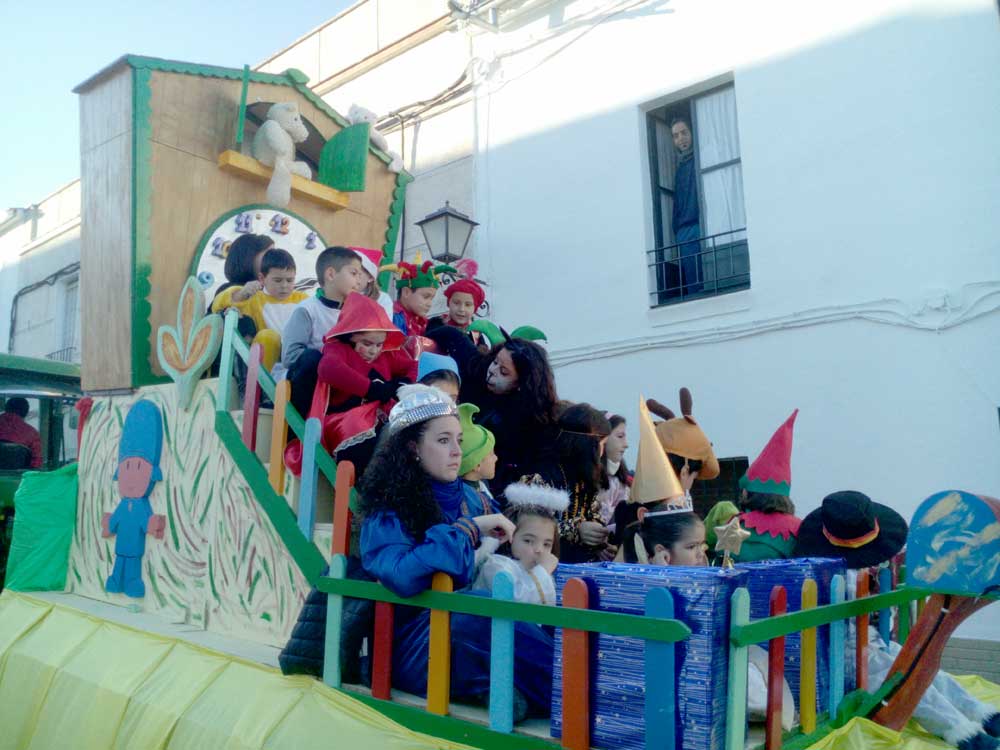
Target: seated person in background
<point x="440" y="371"/>
<point x="619" y="479"/>
<point x="269" y="301"/>
<point x="534" y="508"/>
<point x="339" y="272"/>
<point x="370" y="261"/>
<point x="479" y="462"/>
<point x="14" y="429"/>
<point x="364" y="367"/>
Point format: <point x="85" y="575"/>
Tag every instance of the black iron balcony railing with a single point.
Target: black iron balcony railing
<point x="69" y="354"/>
<point x="703" y="267"/>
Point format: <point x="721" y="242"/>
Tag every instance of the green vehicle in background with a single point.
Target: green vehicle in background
<point x="52" y="390"/>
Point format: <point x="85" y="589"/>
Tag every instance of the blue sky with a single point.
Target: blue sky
<point x="52" y="45"/>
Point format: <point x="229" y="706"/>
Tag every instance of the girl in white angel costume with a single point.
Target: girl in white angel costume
<point x="534" y="507"/>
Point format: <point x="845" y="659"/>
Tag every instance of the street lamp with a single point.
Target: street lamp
<point x="446" y="232"/>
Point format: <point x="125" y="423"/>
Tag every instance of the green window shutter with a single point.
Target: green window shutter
<point x="344" y="159"/>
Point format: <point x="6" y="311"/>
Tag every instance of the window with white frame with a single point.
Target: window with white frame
<point x="699" y="222"/>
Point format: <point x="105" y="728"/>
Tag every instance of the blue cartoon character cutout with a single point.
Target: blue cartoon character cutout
<point x="138" y="470"/>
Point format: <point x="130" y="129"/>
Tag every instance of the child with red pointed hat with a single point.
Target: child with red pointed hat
<point x="363" y="365"/>
<point x="416" y="288"/>
<point x="768" y="512"/>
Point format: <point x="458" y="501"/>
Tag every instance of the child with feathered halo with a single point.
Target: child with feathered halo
<point x="535" y="508"/>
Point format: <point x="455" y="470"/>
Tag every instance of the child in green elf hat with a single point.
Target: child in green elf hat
<point x="479" y="462"/>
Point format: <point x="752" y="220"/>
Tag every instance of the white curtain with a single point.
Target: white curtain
<point x="719" y="142"/>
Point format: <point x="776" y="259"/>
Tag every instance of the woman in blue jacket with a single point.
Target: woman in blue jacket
<point x="416" y="522"/>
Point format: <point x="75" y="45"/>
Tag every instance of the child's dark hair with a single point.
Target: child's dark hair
<point x="578" y="445"/>
<point x="437" y="376"/>
<point x="666" y="530"/>
<point x="276" y="259"/>
<point x="622" y="474"/>
<point x="767" y="502"/>
<point x="242" y="253"/>
<point x="678" y="462"/>
<point x="17" y="405"/>
<point x="516" y="513"/>
<point x="394" y="481"/>
<point x="335" y="257"/>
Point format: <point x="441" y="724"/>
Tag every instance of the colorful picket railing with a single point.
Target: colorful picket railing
<point x="315" y="459"/>
<point x="774" y="629"/>
<point x="657" y="626"/>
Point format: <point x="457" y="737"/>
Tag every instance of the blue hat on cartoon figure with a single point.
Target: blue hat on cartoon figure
<point x="142" y="437"/>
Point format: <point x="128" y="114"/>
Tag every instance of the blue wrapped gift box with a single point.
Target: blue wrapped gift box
<point x="702" y="601"/>
<point x="764" y="576"/>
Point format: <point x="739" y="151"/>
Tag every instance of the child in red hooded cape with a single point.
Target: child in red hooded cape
<point x="362" y="367"/>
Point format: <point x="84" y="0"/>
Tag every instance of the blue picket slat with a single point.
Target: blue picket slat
<point x="502" y="661"/>
<point x="838" y="640"/>
<point x="310" y="478"/>
<point x="661" y="701"/>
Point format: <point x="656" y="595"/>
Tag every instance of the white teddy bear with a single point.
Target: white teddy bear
<point x="358" y="114"/>
<point x="274" y="146"/>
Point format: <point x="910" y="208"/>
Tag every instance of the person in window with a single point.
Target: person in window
<point x="686" y="221"/>
<point x="13" y="429"/>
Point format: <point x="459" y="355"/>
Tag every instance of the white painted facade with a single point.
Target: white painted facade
<point x="870" y="169"/>
<point x="39" y="278"/>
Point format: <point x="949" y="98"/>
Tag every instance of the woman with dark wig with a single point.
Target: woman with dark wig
<point x="515" y="391"/>
<point x="418" y="521"/>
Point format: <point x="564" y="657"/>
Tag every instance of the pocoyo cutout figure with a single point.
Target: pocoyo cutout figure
<point x="137" y="472"/>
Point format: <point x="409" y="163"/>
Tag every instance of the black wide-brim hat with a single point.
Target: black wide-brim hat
<point x="851" y="526"/>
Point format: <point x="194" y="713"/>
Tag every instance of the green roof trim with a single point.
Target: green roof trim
<point x="49" y="368"/>
<point x="392" y="230"/>
<point x="142" y="246"/>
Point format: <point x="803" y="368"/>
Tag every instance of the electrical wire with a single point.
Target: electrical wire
<point x="50" y="280"/>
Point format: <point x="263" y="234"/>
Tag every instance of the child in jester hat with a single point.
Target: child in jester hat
<point x="415" y="288"/>
<point x="767" y="511"/>
<point x="479" y="462"/>
<point x="138" y="470"/>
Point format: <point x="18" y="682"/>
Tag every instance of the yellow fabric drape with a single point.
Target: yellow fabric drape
<point x="71" y="680"/>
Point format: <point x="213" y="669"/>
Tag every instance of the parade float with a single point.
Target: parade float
<point x="193" y="549"/>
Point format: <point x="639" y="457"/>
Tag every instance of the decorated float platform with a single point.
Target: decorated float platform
<point x="164" y="625"/>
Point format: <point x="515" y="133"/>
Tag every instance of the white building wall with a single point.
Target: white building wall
<point x="870" y="170"/>
<point x="39" y="259"/>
